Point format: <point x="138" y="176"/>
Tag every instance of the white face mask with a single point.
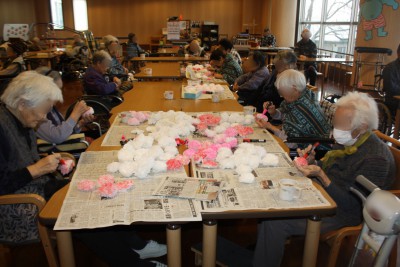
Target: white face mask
<point x="344" y="137"/>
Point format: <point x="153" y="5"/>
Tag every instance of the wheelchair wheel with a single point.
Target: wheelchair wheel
<point x="385" y="119"/>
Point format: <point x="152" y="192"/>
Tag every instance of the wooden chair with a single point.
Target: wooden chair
<point x="335" y="238"/>
<point x="39" y="202"/>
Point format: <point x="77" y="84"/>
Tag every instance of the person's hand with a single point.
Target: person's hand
<point x="218" y="76"/>
<point x="210" y="68"/>
<point x="270" y="107"/>
<point x="307" y="150"/>
<point x="117" y="81"/>
<point x="235" y="87"/>
<point x="266" y="124"/>
<point x="45" y="165"/>
<point x="79" y="108"/>
<point x="85" y="120"/>
<point x="302" y="57"/>
<point x="126" y="70"/>
<point x="315" y="171"/>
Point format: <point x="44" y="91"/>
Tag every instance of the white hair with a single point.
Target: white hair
<point x="291" y="79"/>
<point x="31" y="87"/>
<point x="306" y="33"/>
<point x="100" y="56"/>
<point x="364" y="107"/>
<point x="108" y="39"/>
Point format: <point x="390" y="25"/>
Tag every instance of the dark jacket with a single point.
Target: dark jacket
<point x="95" y="83"/>
<point x="249" y="84"/>
<point x="391" y="84"/>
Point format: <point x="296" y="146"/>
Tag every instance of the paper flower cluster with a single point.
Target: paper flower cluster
<point x="134" y="117"/>
<point x="66" y="166"/>
<point x="198" y="71"/>
<point x="171" y="124"/>
<point x="90" y="111"/>
<point x="106" y="186"/>
<point x="261" y="116"/>
<point x="207" y="87"/>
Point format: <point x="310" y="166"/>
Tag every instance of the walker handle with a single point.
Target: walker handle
<point x="367" y="184"/>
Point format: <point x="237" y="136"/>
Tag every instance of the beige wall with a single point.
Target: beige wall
<point x="283" y="21"/>
<point x="16" y="11"/>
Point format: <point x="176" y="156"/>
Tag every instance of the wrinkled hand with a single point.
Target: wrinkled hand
<point x="85" y="120"/>
<point x="117" y="81"/>
<point x="45" y="165"/>
<point x="235" y="86"/>
<point x="270" y="107"/>
<point x="311" y="155"/>
<point x="218" y="76"/>
<point x="262" y="123"/>
<point x="79" y="109"/>
<point x="310" y="170"/>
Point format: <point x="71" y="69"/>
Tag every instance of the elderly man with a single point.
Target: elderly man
<point x="94" y="81"/>
<point x="306" y="48"/>
<point x="301" y="116"/>
<point x="391" y="83"/>
<point x="358" y="152"/>
<point x="284" y="60"/>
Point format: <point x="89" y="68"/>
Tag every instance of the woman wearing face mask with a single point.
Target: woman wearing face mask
<point x="358" y="152"/>
<point x="301" y="116"/>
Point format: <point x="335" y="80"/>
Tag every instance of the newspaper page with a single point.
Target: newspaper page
<point x="191" y="188"/>
<point x="88" y="210"/>
<point x="226" y="94"/>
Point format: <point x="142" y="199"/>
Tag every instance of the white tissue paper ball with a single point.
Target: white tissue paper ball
<point x="113" y="167"/>
<point x="223" y="153"/>
<point x="243" y="169"/>
<point x="159" y="166"/>
<point x="270" y="160"/>
<point x="171" y="150"/>
<point x="246" y="178"/>
<point x="254" y="161"/>
<point x="156" y="151"/>
<point x="127" y="169"/>
<point x="165" y="141"/>
<point x="125" y="155"/>
<point x="260" y="151"/>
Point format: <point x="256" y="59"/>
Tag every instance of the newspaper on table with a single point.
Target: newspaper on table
<point x="186" y="187"/>
<point x="226" y="94"/>
<point x="82" y="210"/>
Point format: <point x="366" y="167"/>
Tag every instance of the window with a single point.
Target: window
<point x="80" y="15"/>
<point x="333" y="23"/>
<point x="57" y="14"/>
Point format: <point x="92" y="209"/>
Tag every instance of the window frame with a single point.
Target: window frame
<point x="56" y="25"/>
<point x="352" y="24"/>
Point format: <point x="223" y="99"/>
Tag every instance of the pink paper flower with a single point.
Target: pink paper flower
<point x="201" y="127"/>
<point x="262" y="117"/>
<point x="244" y="130"/>
<point x="209" y="119"/>
<point x="231" y="132"/>
<point x="231" y="141"/>
<point x="183" y="159"/>
<point x="174" y="164"/>
<point x="300" y="161"/>
<point x="90" y="111"/>
<point x="108" y="190"/>
<point x="86" y="185"/>
<point x="133" y="121"/>
<point x="189" y="153"/>
<point x="66" y="166"/>
<point x="210" y="153"/>
<point x="209" y="164"/>
<point x="194" y="144"/>
<point x="125" y="185"/>
<point x="105" y="179"/>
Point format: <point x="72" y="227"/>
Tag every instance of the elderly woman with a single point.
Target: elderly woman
<point x="225" y="66"/>
<point x="15" y="63"/>
<point x="133" y="49"/>
<point x="112" y="47"/>
<point x="226" y="47"/>
<point x="358" y="152"/>
<point x="284" y="60"/>
<point x="247" y="85"/>
<point x="195" y="49"/>
<point x="25" y="103"/>
<point x="55" y="129"/>
<point x="94" y="81"/>
<point x="306" y="48"/>
<point x="301" y="116"/>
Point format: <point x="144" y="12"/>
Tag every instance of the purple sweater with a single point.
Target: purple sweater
<point x="95" y="83"/>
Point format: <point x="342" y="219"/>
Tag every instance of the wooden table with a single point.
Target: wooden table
<point x="160" y="70"/>
<point x="168" y="51"/>
<point x="149" y="96"/>
<point x="170" y="59"/>
<point x="49" y="57"/>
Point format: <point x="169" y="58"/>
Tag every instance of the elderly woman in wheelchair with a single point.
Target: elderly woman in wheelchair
<point x="358" y="152"/>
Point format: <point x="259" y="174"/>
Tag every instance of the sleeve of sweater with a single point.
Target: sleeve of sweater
<point x="254" y="81"/>
<point x="10" y="180"/>
<point x="373" y="168"/>
<point x="391" y="80"/>
<point x="56" y="134"/>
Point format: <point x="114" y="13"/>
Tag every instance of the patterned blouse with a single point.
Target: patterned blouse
<point x="230" y="70"/>
<point x="268" y="40"/>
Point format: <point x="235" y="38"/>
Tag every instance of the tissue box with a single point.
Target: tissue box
<point x="192" y="95"/>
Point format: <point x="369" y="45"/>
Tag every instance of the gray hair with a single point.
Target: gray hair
<point x="291" y="78"/>
<point x="286" y="56"/>
<point x="108" y="39"/>
<point x="33" y="88"/>
<point x="46" y="71"/>
<point x="306" y="32"/>
<point x="100" y="56"/>
<point x="364" y="107"/>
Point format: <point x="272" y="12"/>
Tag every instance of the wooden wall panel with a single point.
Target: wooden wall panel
<point x="16" y="11"/>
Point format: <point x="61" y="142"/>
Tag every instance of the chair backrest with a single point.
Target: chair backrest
<point x="396" y="155"/>
<point x="329" y="110"/>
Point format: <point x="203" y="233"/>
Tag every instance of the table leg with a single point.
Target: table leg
<point x="174" y="245"/>
<point x="65" y="249"/>
<point x="209" y="243"/>
<point x="396" y="125"/>
<point x="311" y="242"/>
